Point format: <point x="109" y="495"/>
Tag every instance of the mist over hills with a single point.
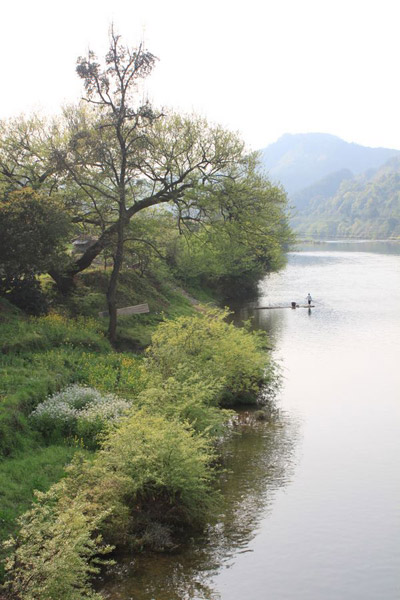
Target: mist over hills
<point x="337" y="188"/>
<point x="299" y="160"/>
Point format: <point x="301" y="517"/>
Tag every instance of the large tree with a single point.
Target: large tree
<point x="124" y="156"/>
<point x="113" y="156"/>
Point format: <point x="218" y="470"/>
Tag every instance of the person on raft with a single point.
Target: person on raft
<point x="309" y="299"/>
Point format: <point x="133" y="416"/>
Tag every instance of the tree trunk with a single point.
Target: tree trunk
<point x="64" y="281"/>
<point x="112" y="286"/>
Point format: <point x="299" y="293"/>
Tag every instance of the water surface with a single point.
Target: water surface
<point x="312" y="501"/>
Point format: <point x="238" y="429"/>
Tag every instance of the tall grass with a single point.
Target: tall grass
<point x="19" y="336"/>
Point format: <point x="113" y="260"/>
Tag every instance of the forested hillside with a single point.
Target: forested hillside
<point x="324" y="188"/>
<point x="336" y="188"/>
<point x="365" y="206"/>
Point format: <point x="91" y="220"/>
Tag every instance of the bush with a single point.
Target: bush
<point x="190" y="401"/>
<point x="78" y="411"/>
<point x="56" y="552"/>
<point x="26" y="293"/>
<point x="150" y="476"/>
<point x="218" y="353"/>
<point x="167" y="466"/>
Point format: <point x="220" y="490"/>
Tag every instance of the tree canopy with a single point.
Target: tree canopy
<point x="114" y="155"/>
<point x="34" y="230"/>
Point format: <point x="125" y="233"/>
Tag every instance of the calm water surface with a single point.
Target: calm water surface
<point x="312" y="501"/>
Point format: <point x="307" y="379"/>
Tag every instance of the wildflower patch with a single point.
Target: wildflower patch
<point x="78" y="412"/>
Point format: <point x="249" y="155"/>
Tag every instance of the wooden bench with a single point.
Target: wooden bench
<point x="129" y="310"/>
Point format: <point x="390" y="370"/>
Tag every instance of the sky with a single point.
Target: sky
<point x="261" y="68"/>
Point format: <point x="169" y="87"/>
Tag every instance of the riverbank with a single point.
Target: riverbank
<point x="196" y="363"/>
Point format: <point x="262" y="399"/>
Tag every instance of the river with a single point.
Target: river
<point x="312" y="500"/>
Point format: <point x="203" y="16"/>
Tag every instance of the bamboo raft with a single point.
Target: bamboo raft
<point x="293" y="305"/>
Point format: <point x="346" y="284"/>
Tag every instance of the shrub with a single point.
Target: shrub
<point x="27" y="294"/>
<point x="79" y="411"/>
<point x="190" y="401"/>
<point x="167" y="466"/>
<point x="151" y="474"/>
<point x="56" y="551"/>
<point x="231" y="358"/>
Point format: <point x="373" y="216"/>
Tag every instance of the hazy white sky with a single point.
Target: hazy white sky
<point x="262" y="68"/>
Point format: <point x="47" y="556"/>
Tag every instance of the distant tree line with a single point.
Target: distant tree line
<point x="365" y="206"/>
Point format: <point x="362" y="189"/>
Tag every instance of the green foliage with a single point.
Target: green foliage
<point x="26" y="379"/>
<point x="33" y="231"/>
<point x="38" y="356"/>
<point x="324" y="188"/>
<point x="56" y="551"/>
<point x="246" y="235"/>
<point x="25" y="155"/>
<point x="190" y="401"/>
<point x="38" y="334"/>
<point x="149" y="469"/>
<point x="156" y="287"/>
<point x="166" y="464"/>
<point x="367" y="206"/>
<point x="91" y="286"/>
<point x="154" y="472"/>
<point x="19" y="476"/>
<point x="149" y="238"/>
<point x="231" y="358"/>
<point x="27" y="294"/>
<point x="116" y="373"/>
<point x="15" y="433"/>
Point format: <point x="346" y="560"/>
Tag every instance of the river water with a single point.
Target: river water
<point x="312" y="500"/>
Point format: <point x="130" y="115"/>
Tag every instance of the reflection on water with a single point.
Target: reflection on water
<point x="311" y="508"/>
<point x="258" y="459"/>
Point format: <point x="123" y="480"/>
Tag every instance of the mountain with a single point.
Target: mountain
<point x="300" y="160"/>
<point x="324" y="188"/>
<point x="365" y="206"/>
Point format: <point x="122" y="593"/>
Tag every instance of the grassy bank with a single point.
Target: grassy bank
<point x="156" y="462"/>
<point x="39" y="356"/>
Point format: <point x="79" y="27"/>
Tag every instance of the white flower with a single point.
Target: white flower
<point x="78" y="403"/>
